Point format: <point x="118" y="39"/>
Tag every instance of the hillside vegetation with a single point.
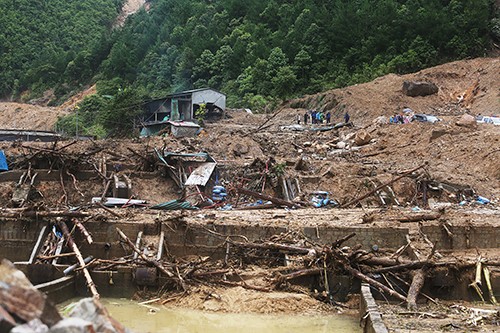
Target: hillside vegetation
<point x="52" y="43"/>
<point x="255" y="51"/>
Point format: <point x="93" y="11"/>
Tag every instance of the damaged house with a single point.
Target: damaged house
<point x="177" y="112"/>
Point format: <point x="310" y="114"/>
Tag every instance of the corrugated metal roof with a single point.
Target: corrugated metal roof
<point x="180" y="93"/>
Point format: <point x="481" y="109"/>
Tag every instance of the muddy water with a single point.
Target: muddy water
<point x="156" y="318"/>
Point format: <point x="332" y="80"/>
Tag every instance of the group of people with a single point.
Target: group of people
<point x="319" y="117"/>
<point x="404" y="117"/>
<point x="400" y="119"/>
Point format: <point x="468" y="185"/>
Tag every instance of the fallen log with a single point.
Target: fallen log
<point x="69" y="254"/>
<point x="419" y="217"/>
<point x="108" y="210"/>
<point x="83" y="230"/>
<point x="407" y="284"/>
<point x="417" y="283"/>
<point x="297" y="274"/>
<point x="476" y="284"/>
<point x="354" y="272"/>
<point x="410" y="265"/>
<point x="14" y="214"/>
<point x="277" y="201"/>
<point x="404" y="174"/>
<point x="90" y="283"/>
<point x="275" y="246"/>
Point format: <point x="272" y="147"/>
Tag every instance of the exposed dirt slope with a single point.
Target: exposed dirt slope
<point x="27" y="116"/>
<point x="383" y="96"/>
<point x="129" y="8"/>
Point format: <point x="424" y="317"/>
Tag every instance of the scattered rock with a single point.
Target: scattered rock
<point x="240" y="150"/>
<point x="20" y="300"/>
<point x="437" y="133"/>
<point x="341" y="145"/>
<point x="301" y="165"/>
<point x="467" y="121"/>
<point x="415" y="88"/>
<point x="307" y="144"/>
<point x="362" y="138"/>
<point x="381" y="120"/>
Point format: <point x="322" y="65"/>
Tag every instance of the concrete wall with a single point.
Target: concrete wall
<point x="371" y="320"/>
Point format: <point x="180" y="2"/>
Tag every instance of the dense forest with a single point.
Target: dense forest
<point x="255" y="51"/>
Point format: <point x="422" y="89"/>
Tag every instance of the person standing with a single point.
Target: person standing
<point x="347" y="117"/>
<point x="328" y="117"/>
<point x="306" y="118"/>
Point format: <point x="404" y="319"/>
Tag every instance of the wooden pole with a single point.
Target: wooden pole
<point x="71" y="243"/>
<point x="83" y="230"/>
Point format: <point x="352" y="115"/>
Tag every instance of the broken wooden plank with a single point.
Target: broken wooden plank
<point x="201" y="175"/>
<point x="38" y="244"/>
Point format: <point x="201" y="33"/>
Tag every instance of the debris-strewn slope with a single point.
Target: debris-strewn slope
<point x="383" y="96"/>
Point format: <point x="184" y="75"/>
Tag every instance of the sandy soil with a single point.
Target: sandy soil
<point x="240" y="300"/>
<point x="444" y="317"/>
<point x="27" y="116"/>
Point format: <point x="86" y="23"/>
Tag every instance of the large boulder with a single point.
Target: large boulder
<point x="417" y="88"/>
<point x="467" y="121"/>
<point x="33" y="326"/>
<point x="73" y="325"/>
<point x="362" y="138"/>
<point x="93" y="311"/>
<point x="18" y="297"/>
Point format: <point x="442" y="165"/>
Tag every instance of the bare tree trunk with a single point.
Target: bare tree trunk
<point x="416" y="285"/>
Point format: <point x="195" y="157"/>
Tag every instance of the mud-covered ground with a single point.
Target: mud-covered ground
<point x="463" y="158"/>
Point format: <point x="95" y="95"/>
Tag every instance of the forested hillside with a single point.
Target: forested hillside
<point x="255" y="51"/>
<point x="282" y="48"/>
<point x="52" y="43"/>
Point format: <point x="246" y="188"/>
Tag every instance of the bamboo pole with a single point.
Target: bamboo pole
<point x="71" y="243"/>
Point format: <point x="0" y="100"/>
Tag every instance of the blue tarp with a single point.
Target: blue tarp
<point x="3" y="162"/>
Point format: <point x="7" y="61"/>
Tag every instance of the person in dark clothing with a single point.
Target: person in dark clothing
<point x="328" y="117"/>
<point x="313" y="117"/>
<point x="346" y="117"/>
<point x="306" y="118"/>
